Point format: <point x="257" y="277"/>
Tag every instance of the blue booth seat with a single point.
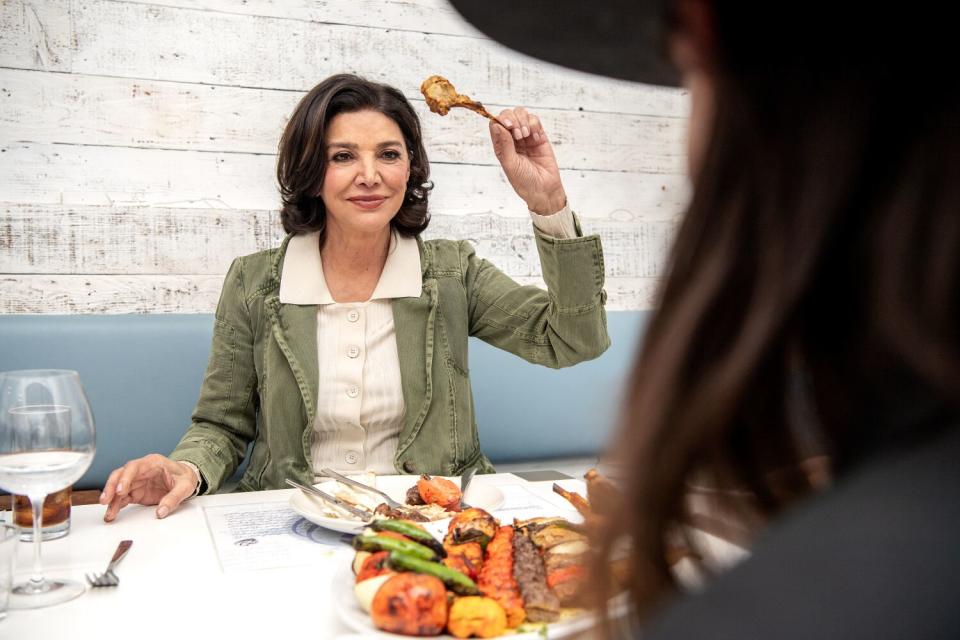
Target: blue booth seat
<point x="142" y="374"/>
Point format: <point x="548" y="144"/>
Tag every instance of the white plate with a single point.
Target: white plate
<point x="360" y="622"/>
<point x="315" y="510"/>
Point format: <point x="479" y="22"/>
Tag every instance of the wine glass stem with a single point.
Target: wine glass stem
<point x="36" y="579"/>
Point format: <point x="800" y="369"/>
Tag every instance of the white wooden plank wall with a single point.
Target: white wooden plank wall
<point x="138" y="141"/>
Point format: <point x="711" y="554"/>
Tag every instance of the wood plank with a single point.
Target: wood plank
<point x="171" y="43"/>
<point x="80" y="109"/>
<point x="116" y="176"/>
<point x="426" y="16"/>
<point x="72" y="294"/>
<point x="83" y="240"/>
<point x="51" y="239"/>
<point x="112" y="294"/>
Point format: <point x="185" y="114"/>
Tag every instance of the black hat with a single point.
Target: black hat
<point x="623" y="39"/>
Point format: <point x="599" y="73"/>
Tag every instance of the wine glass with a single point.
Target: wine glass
<point x="47" y="441"/>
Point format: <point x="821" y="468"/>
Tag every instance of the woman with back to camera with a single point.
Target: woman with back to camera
<point x="346" y="347"/>
<point x="811" y="306"/>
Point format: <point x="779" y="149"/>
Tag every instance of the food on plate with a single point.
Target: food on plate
<point x="374" y="564"/>
<point x="453" y="579"/>
<point x="441" y="96"/>
<point x="496" y="576"/>
<point x="373" y="542"/>
<point x="563" y="548"/>
<point x="411" y="531"/>
<point x="471" y="525"/>
<point x="550" y="536"/>
<point x="410" y="603"/>
<point x="493" y="577"/>
<point x="467" y="558"/>
<point x="444" y="497"/>
<point x="439" y="491"/>
<point x="476" y="616"/>
<point x="414" y="514"/>
<point x="365" y="591"/>
<point x="539" y="601"/>
<point x="413" y="497"/>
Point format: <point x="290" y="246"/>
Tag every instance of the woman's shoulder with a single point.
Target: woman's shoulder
<point x="258" y="269"/>
<point x="443" y="255"/>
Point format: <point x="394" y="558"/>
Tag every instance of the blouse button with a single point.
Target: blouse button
<point x="353" y="391"/>
<point x="353" y="316"/>
<point x="353" y="351"/>
<point x="351" y="457"/>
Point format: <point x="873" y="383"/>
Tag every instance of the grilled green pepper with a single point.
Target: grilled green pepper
<point x="453" y="579"/>
<point x="412" y="531"/>
<point x="366" y="542"/>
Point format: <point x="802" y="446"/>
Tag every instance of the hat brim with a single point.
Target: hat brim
<point x="624" y="39"/>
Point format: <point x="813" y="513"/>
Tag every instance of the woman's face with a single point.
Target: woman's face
<point x="366" y="176"/>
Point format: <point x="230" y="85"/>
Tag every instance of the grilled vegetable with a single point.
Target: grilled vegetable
<point x="532" y="525"/>
<point x="358" y="560"/>
<point x="476" y="616"/>
<point x="466" y="558"/>
<point x="366" y="590"/>
<point x="412" y="604"/>
<point x="496" y="576"/>
<point x="411" y="531"/>
<point x="471" y="525"/>
<point x="374" y="565"/>
<point x="366" y="542"/>
<point x="455" y="581"/>
<point x="551" y="536"/>
<point x="436" y="490"/>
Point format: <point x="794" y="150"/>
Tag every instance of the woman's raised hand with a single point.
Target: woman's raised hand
<point x="527" y="159"/>
<point x="152" y="479"/>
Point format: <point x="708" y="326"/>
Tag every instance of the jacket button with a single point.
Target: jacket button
<point x="409" y="467"/>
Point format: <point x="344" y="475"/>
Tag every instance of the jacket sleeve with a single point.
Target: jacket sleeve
<point x="224" y="420"/>
<point x="559" y="327"/>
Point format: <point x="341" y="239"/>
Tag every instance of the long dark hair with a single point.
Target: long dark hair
<point x="814" y="284"/>
<point x="302" y="163"/>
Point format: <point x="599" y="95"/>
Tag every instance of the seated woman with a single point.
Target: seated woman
<point x="346" y="347"/>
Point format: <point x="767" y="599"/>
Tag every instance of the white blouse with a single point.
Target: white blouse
<point x="360" y="406"/>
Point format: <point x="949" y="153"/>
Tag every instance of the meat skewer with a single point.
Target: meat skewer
<point x="441" y="96"/>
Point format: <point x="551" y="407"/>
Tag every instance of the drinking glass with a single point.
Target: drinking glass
<point x="47" y="441"/>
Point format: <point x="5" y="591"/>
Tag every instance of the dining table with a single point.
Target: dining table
<point x="229" y="565"/>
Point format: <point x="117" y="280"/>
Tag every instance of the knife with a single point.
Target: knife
<point x="342" y="504"/>
<point x="393" y="504"/>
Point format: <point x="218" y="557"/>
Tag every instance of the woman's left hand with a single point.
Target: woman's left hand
<point x="528" y="161"/>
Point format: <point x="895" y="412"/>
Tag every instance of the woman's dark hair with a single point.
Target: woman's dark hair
<point x="302" y="162"/>
<point x="812" y="299"/>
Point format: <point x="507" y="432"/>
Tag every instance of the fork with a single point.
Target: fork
<point x="108" y="578"/>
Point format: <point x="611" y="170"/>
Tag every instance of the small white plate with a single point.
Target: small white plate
<point x="315" y="510"/>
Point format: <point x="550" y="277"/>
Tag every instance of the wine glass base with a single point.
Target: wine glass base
<point x="51" y="592"/>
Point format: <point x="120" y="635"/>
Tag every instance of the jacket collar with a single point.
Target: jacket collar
<point x="302" y="281"/>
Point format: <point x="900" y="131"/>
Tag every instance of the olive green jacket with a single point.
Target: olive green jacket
<point x="261" y="382"/>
